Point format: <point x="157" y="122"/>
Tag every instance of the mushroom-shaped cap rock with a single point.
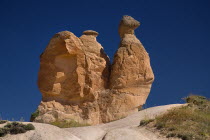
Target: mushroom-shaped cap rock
<point x="127" y="25"/>
<point x="90" y="32"/>
<point x="63" y="35"/>
<point x="129" y="22"/>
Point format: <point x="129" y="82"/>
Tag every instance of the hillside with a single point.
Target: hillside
<point x="190" y="122"/>
<point x="123" y="129"/>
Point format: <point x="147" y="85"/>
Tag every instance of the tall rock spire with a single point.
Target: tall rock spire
<point x="131" y="73"/>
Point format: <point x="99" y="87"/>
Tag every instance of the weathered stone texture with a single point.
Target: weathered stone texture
<point x="131" y="73"/>
<point x="78" y="82"/>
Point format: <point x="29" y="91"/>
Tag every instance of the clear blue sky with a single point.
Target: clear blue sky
<point x="176" y="33"/>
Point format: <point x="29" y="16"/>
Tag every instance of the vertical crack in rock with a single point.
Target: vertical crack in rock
<point x="78" y="82"/>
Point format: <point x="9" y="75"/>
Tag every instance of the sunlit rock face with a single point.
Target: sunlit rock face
<point x="78" y="82"/>
<point x="131" y="74"/>
<point x="72" y="73"/>
<point x="62" y="69"/>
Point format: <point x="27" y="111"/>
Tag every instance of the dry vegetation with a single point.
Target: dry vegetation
<point x="191" y="122"/>
<point x="3" y="121"/>
<point x="67" y="124"/>
<point x="15" y="128"/>
<point x="34" y="115"/>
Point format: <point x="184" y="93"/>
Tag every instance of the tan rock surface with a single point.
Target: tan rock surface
<point x="72" y="73"/>
<point x="97" y="62"/>
<point x="77" y="81"/>
<point x="62" y="69"/>
<point x="131" y="74"/>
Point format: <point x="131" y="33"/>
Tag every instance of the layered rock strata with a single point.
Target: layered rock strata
<point x="78" y="82"/>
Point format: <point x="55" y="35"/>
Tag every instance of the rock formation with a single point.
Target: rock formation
<point x="131" y="74"/>
<point x="78" y="82"/>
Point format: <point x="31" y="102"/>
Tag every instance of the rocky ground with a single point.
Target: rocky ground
<point x="123" y="129"/>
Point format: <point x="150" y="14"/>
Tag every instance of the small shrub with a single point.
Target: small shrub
<point x="29" y="127"/>
<point x="15" y="123"/>
<point x="67" y="124"/>
<point x="3" y="132"/>
<point x="8" y="125"/>
<point x="3" y="121"/>
<point x="145" y="122"/>
<point x="197" y="100"/>
<point x="160" y="125"/>
<point x="183" y="136"/>
<point x="15" y="128"/>
<point x="34" y="115"/>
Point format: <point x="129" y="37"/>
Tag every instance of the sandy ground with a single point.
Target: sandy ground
<point x="123" y="129"/>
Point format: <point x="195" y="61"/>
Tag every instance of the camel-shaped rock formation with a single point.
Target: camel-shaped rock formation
<point x="78" y="82"/>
